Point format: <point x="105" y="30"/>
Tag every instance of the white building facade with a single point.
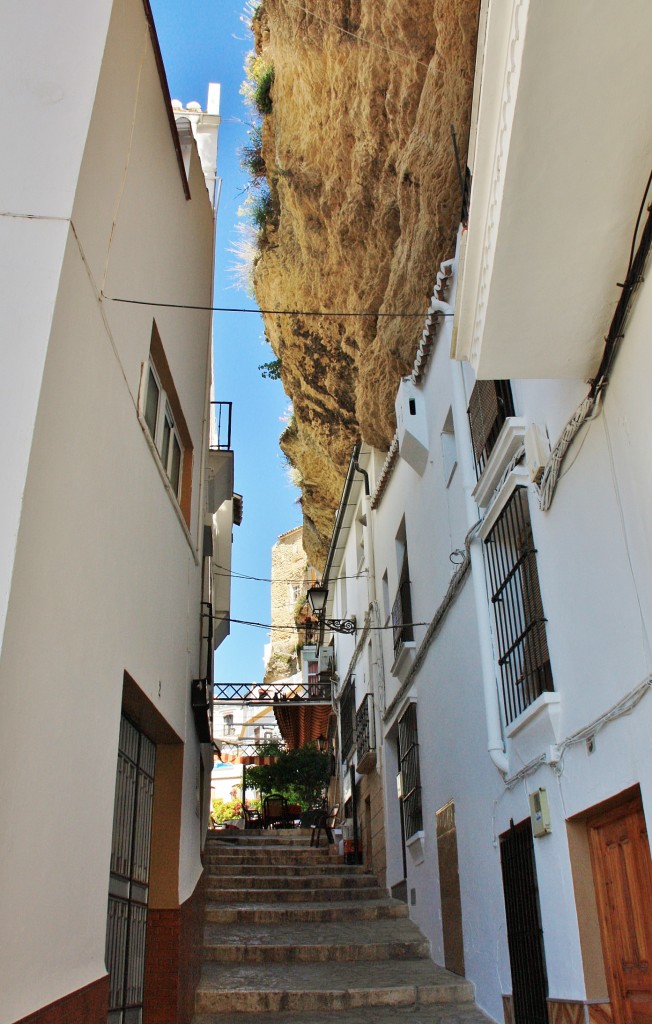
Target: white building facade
<point x="502" y="550"/>
<point x="113" y="509"/>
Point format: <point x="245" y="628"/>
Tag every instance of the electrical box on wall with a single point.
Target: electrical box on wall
<point x="412" y="425"/>
<point x="540" y="813"/>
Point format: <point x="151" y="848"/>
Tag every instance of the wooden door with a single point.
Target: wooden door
<point x="449" y="888"/>
<point x="622" y="874"/>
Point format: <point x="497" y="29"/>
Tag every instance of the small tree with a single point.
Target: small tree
<point x="299" y="775"/>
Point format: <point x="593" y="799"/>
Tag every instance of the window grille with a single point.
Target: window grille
<point x="518" y="609"/>
<point x="408" y="747"/>
<point x="347" y="717"/>
<point x="490" y="405"/>
<point x="365" y="740"/>
<point x="402" y="610"/>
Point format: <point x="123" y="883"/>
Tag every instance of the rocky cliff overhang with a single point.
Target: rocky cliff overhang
<point x="366" y="201"/>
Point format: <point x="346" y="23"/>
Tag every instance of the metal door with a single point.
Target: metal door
<point x="128" y="884"/>
<point x="524" y="932"/>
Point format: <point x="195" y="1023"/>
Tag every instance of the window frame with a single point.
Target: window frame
<point x="164" y="415"/>
<point x="168" y="410"/>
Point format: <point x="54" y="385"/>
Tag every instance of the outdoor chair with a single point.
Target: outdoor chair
<point x="276" y="813"/>
<point x="251" y="818"/>
<point x="326" y="821"/>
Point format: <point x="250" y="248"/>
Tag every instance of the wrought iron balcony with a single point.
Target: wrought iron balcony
<point x="317" y="690"/>
<point x="220" y="428"/>
<point x="365" y="735"/>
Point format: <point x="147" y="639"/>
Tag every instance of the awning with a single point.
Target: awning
<point x="302" y="724"/>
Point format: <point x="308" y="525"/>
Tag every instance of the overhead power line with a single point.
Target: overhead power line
<point x="298" y="625"/>
<point x="266" y="579"/>
<point x="271" y="312"/>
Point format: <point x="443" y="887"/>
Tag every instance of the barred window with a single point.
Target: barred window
<point x="518" y="609"/>
<point x="408" y="752"/>
<point x="402" y="630"/>
<point x="490" y="404"/>
<point x="347" y="718"/>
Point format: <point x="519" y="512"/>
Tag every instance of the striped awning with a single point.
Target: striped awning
<point x="302" y="724"/>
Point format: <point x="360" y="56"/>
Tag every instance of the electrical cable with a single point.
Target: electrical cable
<point x="589" y="408"/>
<point x="265" y="579"/>
<point x="298" y="625"/>
<point x="270" y="312"/>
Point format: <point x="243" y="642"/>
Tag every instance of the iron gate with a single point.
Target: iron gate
<point x="524" y="931"/>
<point x="128" y="884"/>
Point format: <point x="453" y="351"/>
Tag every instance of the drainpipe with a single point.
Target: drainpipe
<point x="495" y="743"/>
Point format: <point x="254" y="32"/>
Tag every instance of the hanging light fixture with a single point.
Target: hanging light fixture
<point x="317" y="598"/>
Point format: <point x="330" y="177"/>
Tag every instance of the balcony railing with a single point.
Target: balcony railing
<point x="220" y="427"/>
<point x="315" y="691"/>
<point x="490" y="405"/>
<point x="402" y="630"/>
<point x="365" y="734"/>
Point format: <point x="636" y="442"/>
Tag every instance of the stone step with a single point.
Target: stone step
<point x="315" y="912"/>
<point x="311" y="882"/>
<point x="287" y="895"/>
<point x="304" y="943"/>
<point x="442" y="1013"/>
<point x="255" y="837"/>
<point x="272" y="854"/>
<point x="235" y="869"/>
<point x="329" y="986"/>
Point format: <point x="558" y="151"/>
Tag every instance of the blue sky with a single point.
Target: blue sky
<point x="206" y="41"/>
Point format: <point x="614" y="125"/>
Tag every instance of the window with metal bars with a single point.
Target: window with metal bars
<point x="518" y="609"/>
<point x="347" y="718"/>
<point x="490" y="404"/>
<point x="402" y="628"/>
<point x="408" y="751"/>
<point x="364" y="728"/>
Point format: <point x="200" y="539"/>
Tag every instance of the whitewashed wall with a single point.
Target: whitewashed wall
<point x="594" y="564"/>
<point x="105" y="577"/>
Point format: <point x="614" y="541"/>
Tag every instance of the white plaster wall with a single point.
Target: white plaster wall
<point x="105" y="577"/>
<point x="48" y="77"/>
<point x="593" y="556"/>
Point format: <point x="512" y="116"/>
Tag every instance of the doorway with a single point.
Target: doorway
<point x="524" y="931"/>
<point x="449" y="889"/>
<point x="622" y="875"/>
<point x="129" y="879"/>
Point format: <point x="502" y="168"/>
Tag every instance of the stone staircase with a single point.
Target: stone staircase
<point x="294" y="936"/>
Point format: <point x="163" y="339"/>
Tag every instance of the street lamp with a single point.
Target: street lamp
<point x="317" y="597"/>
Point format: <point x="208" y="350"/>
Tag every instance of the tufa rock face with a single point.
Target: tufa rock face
<point x="360" y="162"/>
<point x="289" y="575"/>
